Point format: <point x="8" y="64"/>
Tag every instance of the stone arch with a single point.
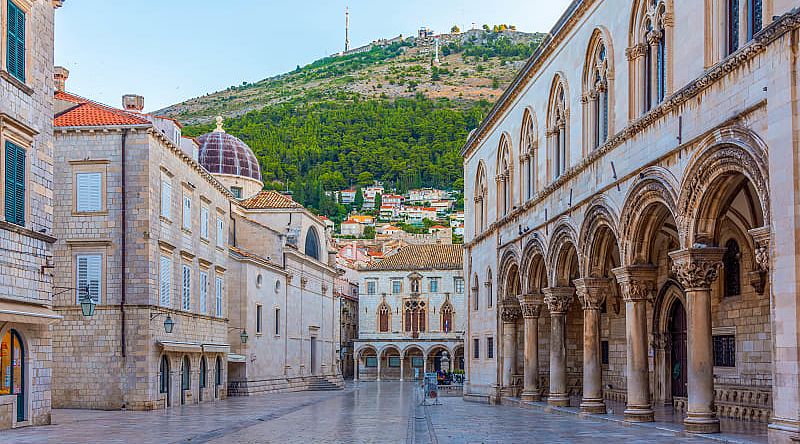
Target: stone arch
<point x="655" y="187"/>
<point x="534" y="266"/>
<point x="411" y="347"/>
<point x="670" y="292"/>
<point x="726" y="154"/>
<point x="600" y="223"/>
<point x="481" y="198"/>
<point x="598" y="89"/>
<point x="383" y="316"/>
<point x="447" y="315"/>
<point x="508" y="275"/>
<point x="558" y="126"/>
<point x="366" y="348"/>
<point x="387" y="348"/>
<point x="562" y="251"/>
<point x="505" y="175"/>
<point x="528" y="155"/>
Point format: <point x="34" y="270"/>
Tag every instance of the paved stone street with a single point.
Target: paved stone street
<point x="384" y="412"/>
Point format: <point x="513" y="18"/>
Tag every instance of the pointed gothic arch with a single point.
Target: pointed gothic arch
<point x="481" y="199"/>
<point x="529" y="147"/>
<point x="598" y="90"/>
<point x="505" y="176"/>
<point x="558" y="127"/>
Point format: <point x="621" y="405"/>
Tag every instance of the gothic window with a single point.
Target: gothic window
<point x="648" y="54"/>
<point x="604" y="352"/>
<point x="724" y="351"/>
<point x="312" y="243"/>
<point x="383" y="317"/>
<point x="475" y="294"/>
<point x="732" y="26"/>
<point x="755" y="12"/>
<point x="489" y="290"/>
<point x="528" y="141"/>
<point x="481" y="191"/>
<point x="447" y="317"/>
<point x="414" y="316"/>
<point x="558" y="128"/>
<point x="596" y="93"/>
<point x="731" y="268"/>
<point x="504" y="177"/>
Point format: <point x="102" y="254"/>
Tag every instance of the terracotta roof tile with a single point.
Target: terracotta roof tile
<point x="89" y="113"/>
<point x="423" y="257"/>
<point x="269" y="199"/>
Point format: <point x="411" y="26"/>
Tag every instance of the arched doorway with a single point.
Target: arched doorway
<point x="217" y="377"/>
<point x="163" y="379"/>
<point x="185" y="378"/>
<point x="203" y="375"/>
<point x="12" y="370"/>
<point x="677" y="335"/>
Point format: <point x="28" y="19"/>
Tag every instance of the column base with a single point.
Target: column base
<point x="507" y="392"/>
<point x="530" y="396"/>
<point x="593" y="405"/>
<point x="643" y="413"/>
<point x="701" y="423"/>
<point x="558" y="400"/>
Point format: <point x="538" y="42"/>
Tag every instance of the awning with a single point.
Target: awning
<point x="216" y="348"/>
<point x="184" y="347"/>
<point x="20" y="312"/>
<point x="236" y="358"/>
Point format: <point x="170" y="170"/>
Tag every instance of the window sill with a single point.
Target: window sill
<point x="5" y="75"/>
<point x="19" y="229"/>
<point x="204" y="240"/>
<point x="89" y="213"/>
<point x="186" y="230"/>
<point x="165" y="219"/>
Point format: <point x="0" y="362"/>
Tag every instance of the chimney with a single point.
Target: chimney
<point x="132" y="102"/>
<point x="60" y="76"/>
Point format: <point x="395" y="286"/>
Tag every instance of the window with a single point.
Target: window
<point x="755" y="13"/>
<point x="604" y="352"/>
<point x="163" y="375"/>
<point x="218" y="372"/>
<point x="648" y="50"/>
<point x="528" y="148"/>
<point x="504" y="179"/>
<point x="417" y="362"/>
<point x="394" y="361"/>
<point x="372" y="287"/>
<point x="187" y="212"/>
<point x="731" y="269"/>
<point x="312" y="243"/>
<point x="166" y="198"/>
<point x="433" y="285"/>
<point x="724" y="351"/>
<point x="732" y="21"/>
<point x="15" y="184"/>
<point x="476" y="348"/>
<point x="397" y="286"/>
<point x="558" y="128"/>
<point x="489" y="296"/>
<point x="166" y="281"/>
<point x="414" y="316"/>
<point x="447" y="317"/>
<point x="204" y="222"/>
<point x="237" y="192"/>
<point x="277" y="321"/>
<point x="596" y="93"/>
<point x="218" y="291"/>
<point x="88" y="192"/>
<point x="203" y="371"/>
<point x="187" y="288"/>
<point x="371" y="361"/>
<point x="481" y="200"/>
<point x="490" y="348"/>
<point x="220" y="232"/>
<point x="15" y="42"/>
<point x="89" y="275"/>
<point x="258" y="319"/>
<point x="203" y="291"/>
<point x="476" y="294"/>
<point x="383" y="317"/>
<point x="458" y="283"/>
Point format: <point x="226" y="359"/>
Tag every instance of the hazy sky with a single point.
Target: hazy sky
<point x="171" y="50"/>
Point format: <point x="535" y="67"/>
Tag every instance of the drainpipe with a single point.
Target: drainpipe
<point x="122" y="243"/>
<point x="233" y="222"/>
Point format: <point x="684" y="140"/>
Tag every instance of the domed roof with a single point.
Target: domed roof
<point x="222" y="153"/>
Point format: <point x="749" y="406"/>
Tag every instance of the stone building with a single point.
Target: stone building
<point x="411" y="313"/>
<point x="26" y="211"/>
<point x="637" y="181"/>
<point x="347" y="293"/>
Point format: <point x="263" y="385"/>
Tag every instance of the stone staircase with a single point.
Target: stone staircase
<point x="320" y="384"/>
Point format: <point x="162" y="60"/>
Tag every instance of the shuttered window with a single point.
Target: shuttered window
<point x="220" y="232"/>
<point x="203" y="291"/>
<point x="204" y="222"/>
<point x="15" y="42"/>
<point x="88" y="193"/>
<point x="166" y="281"/>
<point x="187" y="212"/>
<point x="15" y="184"/>
<point x="166" y="198"/>
<point x="187" y="288"/>
<point x="89" y="276"/>
<point x="218" y="290"/>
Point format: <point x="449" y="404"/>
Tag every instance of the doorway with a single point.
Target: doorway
<point x="203" y="375"/>
<point x="677" y="333"/>
<point x="164" y="380"/>
<point x="12" y="370"/>
<point x="313" y="355"/>
<point x="185" y="385"/>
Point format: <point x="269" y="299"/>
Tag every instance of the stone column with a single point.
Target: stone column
<point x="697" y="269"/>
<point x="355" y="366"/>
<point x="592" y="292"/>
<point x="531" y="305"/>
<point x="637" y="283"/>
<point x="402" y="367"/>
<point x="558" y="300"/>
<point x="509" y="314"/>
<point x="379" y="366"/>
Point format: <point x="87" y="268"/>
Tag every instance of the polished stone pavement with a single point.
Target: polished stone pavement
<point x="368" y="412"/>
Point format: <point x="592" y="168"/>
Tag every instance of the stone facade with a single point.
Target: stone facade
<point x="347" y="293"/>
<point x="644" y="207"/>
<point x="411" y="314"/>
<point x="26" y="110"/>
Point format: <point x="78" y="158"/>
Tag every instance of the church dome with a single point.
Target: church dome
<point x="222" y="153"/>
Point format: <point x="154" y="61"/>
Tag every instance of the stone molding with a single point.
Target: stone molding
<point x="558" y="299"/>
<point x="592" y="292"/>
<point x="531" y="304"/>
<point x="510" y="310"/>
<point x="697" y="268"/>
<point x="636" y="282"/>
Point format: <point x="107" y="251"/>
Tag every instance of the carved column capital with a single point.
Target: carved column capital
<point x="697" y="268"/>
<point x="509" y="310"/>
<point x="531" y="304"/>
<point x="558" y="299"/>
<point x="592" y="291"/>
<point x="761" y="237"/>
<point x="636" y="281"/>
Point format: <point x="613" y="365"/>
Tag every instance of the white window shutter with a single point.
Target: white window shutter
<point x="90" y="274"/>
<point x="220" y="232"/>
<point x="166" y="199"/>
<point x="89" y="193"/>
<point x="204" y="222"/>
<point x="203" y="291"/>
<point x="187" y="287"/>
<point x="219" y="297"/>
<point x="166" y="281"/>
<point x="187" y="212"/>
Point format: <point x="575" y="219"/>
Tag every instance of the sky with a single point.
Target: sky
<point x="172" y="50"/>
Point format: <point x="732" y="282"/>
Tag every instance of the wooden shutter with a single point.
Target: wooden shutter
<point x="166" y="198"/>
<point x="89" y="193"/>
<point x="187" y="283"/>
<point x="203" y="291"/>
<point x="204" y="222"/>
<point x="89" y="276"/>
<point x="187" y="212"/>
<point x="15" y="38"/>
<point x="219" y="297"/>
<point x="220" y="232"/>
<point x="15" y="184"/>
<point x="166" y="273"/>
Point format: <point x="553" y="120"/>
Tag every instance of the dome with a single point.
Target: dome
<point x="222" y="153"/>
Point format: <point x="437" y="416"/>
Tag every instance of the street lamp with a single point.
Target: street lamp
<point x="169" y="324"/>
<point x="88" y="304"/>
<point x="243" y="336"/>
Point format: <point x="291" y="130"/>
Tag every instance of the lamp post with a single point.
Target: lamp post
<point x="88" y="304"/>
<point x="242" y="336"/>
<point x="169" y="324"/>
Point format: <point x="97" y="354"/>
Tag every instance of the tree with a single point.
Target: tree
<point x="486" y="28"/>
<point x="365" y="178"/>
<point x="378" y="201"/>
<point x="455" y="29"/>
<point x="359" y="200"/>
<point x="369" y="232"/>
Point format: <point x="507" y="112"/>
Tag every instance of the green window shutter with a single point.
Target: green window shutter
<point x="15" y="184"/>
<point x="16" y="41"/>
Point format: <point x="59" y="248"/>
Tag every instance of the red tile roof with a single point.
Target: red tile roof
<point x="269" y="199"/>
<point x="89" y="113"/>
<point x="423" y="257"/>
